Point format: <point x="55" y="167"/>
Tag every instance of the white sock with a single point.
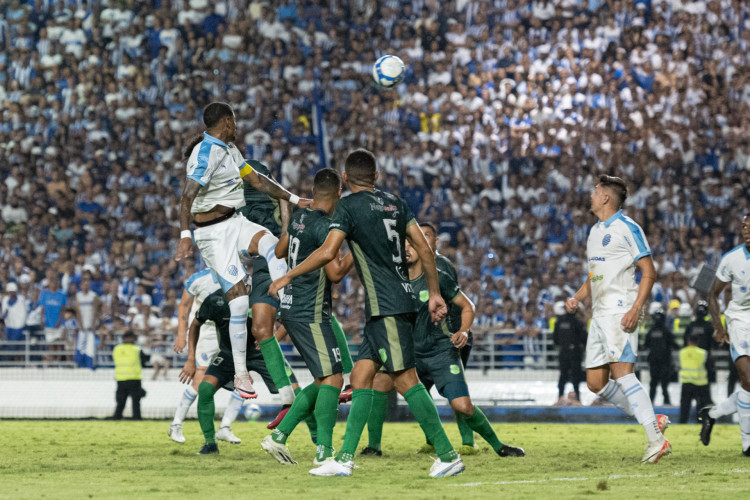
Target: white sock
<point x="347" y="381"/>
<point x="184" y="405"/>
<point x="613" y="393"/>
<point x="743" y="412"/>
<point x="233" y="408"/>
<point x="238" y="332"/>
<point x="287" y="395"/>
<point x="266" y="248"/>
<point x="726" y="407"/>
<point x="640" y="405"/>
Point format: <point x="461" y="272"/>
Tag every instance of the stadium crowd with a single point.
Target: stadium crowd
<point x="509" y="111"/>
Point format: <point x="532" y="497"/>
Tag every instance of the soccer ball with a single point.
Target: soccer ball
<point x="388" y="71"/>
<point x="252" y="413"/>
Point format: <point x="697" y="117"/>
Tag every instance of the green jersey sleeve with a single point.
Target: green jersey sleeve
<point x="448" y="286"/>
<point x="342" y="219"/>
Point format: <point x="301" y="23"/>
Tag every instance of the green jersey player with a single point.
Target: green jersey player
<point x="306" y="315"/>
<point x="376" y="224"/>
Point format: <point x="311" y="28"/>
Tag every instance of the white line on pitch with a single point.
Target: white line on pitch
<point x="614" y="476"/>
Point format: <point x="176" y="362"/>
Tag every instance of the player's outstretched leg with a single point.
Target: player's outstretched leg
<point x="264" y="316"/>
<point x="707" y="416"/>
<point x="303" y="405"/>
<point x="476" y="420"/>
<point x="238" y="306"/>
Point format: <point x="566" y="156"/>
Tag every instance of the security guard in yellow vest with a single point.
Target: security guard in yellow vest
<point x="128" y="360"/>
<point x="694" y="377"/>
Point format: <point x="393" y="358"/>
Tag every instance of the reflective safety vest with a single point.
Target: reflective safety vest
<point x="693" y="365"/>
<point x="127" y="358"/>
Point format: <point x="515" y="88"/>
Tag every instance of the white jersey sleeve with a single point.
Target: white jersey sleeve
<point x="201" y="284"/>
<point x="734" y="268"/>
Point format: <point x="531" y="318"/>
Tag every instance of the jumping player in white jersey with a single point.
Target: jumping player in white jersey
<point x="734" y="269"/>
<point x="198" y="286"/>
<point x="616" y="245"/>
<point x="213" y="192"/>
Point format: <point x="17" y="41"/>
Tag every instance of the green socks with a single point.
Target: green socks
<point x="467" y="433"/>
<point x="355" y="423"/>
<point x="326" y="411"/>
<point x="206" y="411"/>
<point x="301" y="408"/>
<point x="423" y="408"/>
<point x="479" y="423"/>
<point x="346" y="357"/>
<point x="271" y="351"/>
<point x="376" y="419"/>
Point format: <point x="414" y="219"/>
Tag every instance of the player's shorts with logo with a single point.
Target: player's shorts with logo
<point x="739" y="338"/>
<point x="608" y="343"/>
<point x="222" y="367"/>
<point x="208" y="345"/>
<point x="316" y="343"/>
<point x="261" y="281"/>
<point x="221" y="245"/>
<point x="389" y="341"/>
<point x="446" y="372"/>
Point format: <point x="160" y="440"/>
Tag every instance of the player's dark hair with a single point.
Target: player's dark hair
<point x="215" y="112"/>
<point x="617" y="186"/>
<point x="430" y="225"/>
<point x="327" y="182"/>
<point x="129" y="334"/>
<point x="189" y="148"/>
<point x="360" y="167"/>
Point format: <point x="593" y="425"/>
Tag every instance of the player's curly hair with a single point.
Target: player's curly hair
<point x="617" y="185"/>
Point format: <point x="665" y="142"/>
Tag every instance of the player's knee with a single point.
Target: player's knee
<point x="463" y="405"/>
<point x="261" y="331"/>
<point x="205" y="390"/>
<point x="594" y="386"/>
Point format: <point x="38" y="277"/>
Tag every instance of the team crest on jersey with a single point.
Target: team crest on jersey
<point x="455" y="370"/>
<point x="424" y="295"/>
<point x="383" y="355"/>
<point x="606" y="240"/>
<point x="743" y="289"/>
<point x="232" y="270"/>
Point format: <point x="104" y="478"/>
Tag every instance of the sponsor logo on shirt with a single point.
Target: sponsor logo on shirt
<point x="297" y="226"/>
<point x="598" y="259"/>
<point x="595" y="278"/>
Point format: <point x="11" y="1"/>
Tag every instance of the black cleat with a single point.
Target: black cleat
<point x="209" y="449"/>
<point x="511" y="451"/>
<point x="371" y="451"/>
<point x="746" y="451"/>
<point x="707" y="425"/>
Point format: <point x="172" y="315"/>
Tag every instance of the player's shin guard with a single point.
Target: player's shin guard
<point x="346" y="358"/>
<point x="423" y="408"/>
<point x="613" y="393"/>
<point x="376" y="418"/>
<point x="238" y="332"/>
<point x="274" y="359"/>
<point x="743" y="412"/>
<point x="302" y="407"/>
<point x="640" y="405"/>
<point x="206" y="410"/>
<point x="726" y="407"/>
<point x="233" y="409"/>
<point x="266" y="248"/>
<point x="478" y="422"/>
<point x="326" y="410"/>
<point x="355" y="423"/>
<point x="188" y="396"/>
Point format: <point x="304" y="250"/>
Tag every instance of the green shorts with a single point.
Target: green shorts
<point x="388" y="340"/>
<point x="261" y="282"/>
<point x="317" y="345"/>
<point x="446" y="372"/>
<point x="222" y="367"/>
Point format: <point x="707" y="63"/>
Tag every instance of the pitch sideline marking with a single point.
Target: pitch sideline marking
<point x="614" y="476"/>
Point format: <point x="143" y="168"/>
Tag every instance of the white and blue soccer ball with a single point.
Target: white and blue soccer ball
<point x="252" y="413"/>
<point x="388" y="71"/>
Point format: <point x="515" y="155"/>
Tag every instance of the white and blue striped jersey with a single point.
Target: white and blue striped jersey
<point x="734" y="268"/>
<point x="613" y="248"/>
<point x="200" y="285"/>
<point x="216" y="166"/>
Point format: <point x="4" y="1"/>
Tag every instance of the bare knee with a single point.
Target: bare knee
<point x="405" y="380"/>
<point x="382" y="382"/>
<point x="237" y="290"/>
<point x="595" y="386"/>
<point x="261" y="331"/>
<point x="463" y="405"/>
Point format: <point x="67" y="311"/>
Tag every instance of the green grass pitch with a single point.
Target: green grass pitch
<point x="104" y="459"/>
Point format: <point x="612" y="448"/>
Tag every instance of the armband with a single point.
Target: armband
<point x="246" y="169"/>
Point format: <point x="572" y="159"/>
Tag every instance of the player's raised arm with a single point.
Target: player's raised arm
<point x="416" y="238"/>
<point x="648" y="277"/>
<point x="272" y="188"/>
<point x="720" y="333"/>
<point x="189" y="192"/>
<point x="319" y="258"/>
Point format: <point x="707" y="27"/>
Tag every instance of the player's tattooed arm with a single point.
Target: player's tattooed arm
<point x="188" y="371"/>
<point x="189" y="192"/>
<point x="183" y="311"/>
<point x="720" y="333"/>
<point x="272" y="188"/>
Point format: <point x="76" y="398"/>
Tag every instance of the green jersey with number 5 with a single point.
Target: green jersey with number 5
<point x="307" y="298"/>
<point x="375" y="225"/>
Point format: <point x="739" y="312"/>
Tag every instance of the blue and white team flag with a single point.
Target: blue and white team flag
<point x="85" y="349"/>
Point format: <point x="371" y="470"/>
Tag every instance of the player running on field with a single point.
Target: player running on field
<point x="734" y="270"/>
<point x="376" y="225"/>
<point x="221" y="371"/>
<point x="306" y="315"/>
<point x="616" y="246"/>
<point x="438" y="356"/>
<point x="212" y="194"/>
